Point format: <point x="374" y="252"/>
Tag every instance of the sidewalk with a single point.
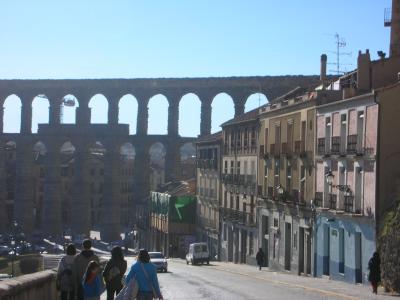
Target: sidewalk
<point x="332" y="288"/>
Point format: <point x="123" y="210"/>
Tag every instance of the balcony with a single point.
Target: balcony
<point x="335" y="147"/>
<point x="318" y="199"/>
<point x="332" y="201"/>
<point x="299" y="147"/>
<point x="275" y="149"/>
<point x="287" y="149"/>
<point x="237" y="216"/>
<point x="321" y="147"/>
<point x="349" y="204"/>
<point x="352" y="144"/>
<point x="207" y="223"/>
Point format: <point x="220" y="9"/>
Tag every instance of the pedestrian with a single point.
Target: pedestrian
<point x="374" y="276"/>
<point x="146" y="275"/>
<point x="65" y="280"/>
<point x="92" y="282"/>
<point x="114" y="271"/>
<point x="81" y="262"/>
<point x="260" y="257"/>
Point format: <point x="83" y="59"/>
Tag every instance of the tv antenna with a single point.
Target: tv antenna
<point x="340" y="43"/>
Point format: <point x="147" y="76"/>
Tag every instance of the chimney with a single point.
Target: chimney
<point x="322" y="75"/>
<point x="363" y="71"/>
<point x="395" y="29"/>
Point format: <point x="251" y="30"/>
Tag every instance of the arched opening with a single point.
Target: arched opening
<point x="39" y="155"/>
<point x="12" y="114"/>
<point x="67" y="167"/>
<point x="189" y="115"/>
<point x="158" y="115"/>
<point x="98" y="105"/>
<point x="188" y="161"/>
<point x="68" y="109"/>
<point x="157" y="166"/>
<point x="127" y="112"/>
<point x="254" y="101"/>
<point x="222" y="110"/>
<point x="40" y="112"/>
<point x="128" y="154"/>
<point x="10" y="173"/>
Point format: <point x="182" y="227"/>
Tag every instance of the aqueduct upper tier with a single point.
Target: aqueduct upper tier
<point x="239" y="88"/>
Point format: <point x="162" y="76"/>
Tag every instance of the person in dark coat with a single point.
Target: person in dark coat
<point x="374" y="276"/>
<point x="260" y="257"/>
<point x="114" y="271"/>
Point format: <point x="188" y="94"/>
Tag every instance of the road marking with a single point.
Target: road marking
<point x="328" y="293"/>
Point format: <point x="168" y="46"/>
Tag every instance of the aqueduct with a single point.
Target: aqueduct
<point x="112" y="135"/>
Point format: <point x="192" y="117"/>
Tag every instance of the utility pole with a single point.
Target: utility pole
<point x="340" y="43"/>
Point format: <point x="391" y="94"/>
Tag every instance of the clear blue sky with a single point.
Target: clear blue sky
<point x="180" y="38"/>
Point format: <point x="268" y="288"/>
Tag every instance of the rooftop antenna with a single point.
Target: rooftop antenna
<point x="340" y="43"/>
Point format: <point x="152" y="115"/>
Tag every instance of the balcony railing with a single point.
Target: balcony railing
<point x="318" y="199"/>
<point x="321" y="146"/>
<point x="352" y="144"/>
<point x="332" y="201"/>
<point x="237" y="216"/>
<point x="349" y="204"/>
<point x="335" y="147"/>
<point x="299" y="147"/>
<point x="208" y="223"/>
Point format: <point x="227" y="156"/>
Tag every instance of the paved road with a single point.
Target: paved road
<point x="227" y="281"/>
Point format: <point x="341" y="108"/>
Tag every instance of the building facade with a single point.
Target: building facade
<point x="209" y="154"/>
<point x="239" y="189"/>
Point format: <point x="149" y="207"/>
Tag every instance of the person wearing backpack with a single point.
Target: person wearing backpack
<point x="81" y="262"/>
<point x="114" y="271"/>
<point x="65" y="281"/>
<point x="145" y="274"/>
<point x="92" y="282"/>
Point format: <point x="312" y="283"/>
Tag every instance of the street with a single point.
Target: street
<point x="229" y="281"/>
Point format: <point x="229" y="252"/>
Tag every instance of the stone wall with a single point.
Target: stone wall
<point x="40" y="285"/>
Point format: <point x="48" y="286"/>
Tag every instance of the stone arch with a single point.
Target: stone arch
<point x="68" y="107"/>
<point x="128" y="111"/>
<point x="255" y="100"/>
<point x="223" y="109"/>
<point x="98" y="105"/>
<point x="128" y="151"/>
<point x="12" y="114"/>
<point x="189" y="115"/>
<point x="157" y="153"/>
<point x="40" y="112"/>
<point x="158" y="114"/>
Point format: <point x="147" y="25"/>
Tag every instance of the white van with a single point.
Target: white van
<point x="198" y="253"/>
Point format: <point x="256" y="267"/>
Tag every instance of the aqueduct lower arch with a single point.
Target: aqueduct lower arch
<point x="112" y="135"/>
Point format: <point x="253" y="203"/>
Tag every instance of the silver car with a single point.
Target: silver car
<point x="159" y="260"/>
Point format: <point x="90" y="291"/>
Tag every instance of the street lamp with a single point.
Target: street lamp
<point x="341" y="187"/>
<point x="12" y="256"/>
<point x="279" y="188"/>
<point x="329" y="177"/>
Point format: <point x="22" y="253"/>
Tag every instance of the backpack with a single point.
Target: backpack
<point x="113" y="272"/>
<point x="66" y="280"/>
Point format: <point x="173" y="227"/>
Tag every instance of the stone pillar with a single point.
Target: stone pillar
<point x="113" y="112"/>
<point x="1" y="119"/>
<point x="80" y="202"/>
<point x="239" y="108"/>
<point x="55" y="113"/>
<point x="141" y="173"/>
<point x="83" y="114"/>
<point x="26" y="117"/>
<point x="173" y="118"/>
<point x="142" y="118"/>
<point x="24" y="187"/>
<point x="51" y="216"/>
<point x="3" y="192"/>
<point x="172" y="160"/>
<point x="111" y="207"/>
<point x="205" y="125"/>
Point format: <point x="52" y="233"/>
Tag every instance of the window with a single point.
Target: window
<point x="232" y="167"/>
<point x="226" y="167"/>
<point x="238" y="167"/>
<point x="343" y="118"/>
<point x="276" y="222"/>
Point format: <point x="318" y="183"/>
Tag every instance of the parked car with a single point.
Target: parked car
<point x="4" y="250"/>
<point x="159" y="260"/>
<point x="198" y="253"/>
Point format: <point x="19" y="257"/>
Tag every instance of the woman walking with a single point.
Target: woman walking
<point x="92" y="282"/>
<point x="374" y="276"/>
<point x="114" y="271"/>
<point x="65" y="281"/>
<point x="146" y="275"/>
